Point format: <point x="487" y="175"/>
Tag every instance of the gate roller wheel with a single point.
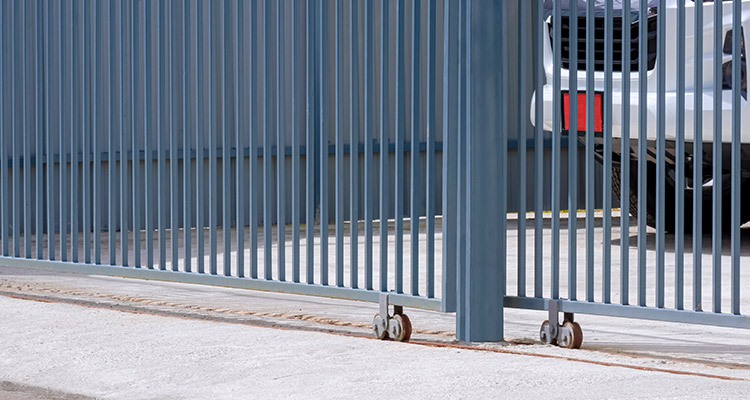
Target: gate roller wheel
<point x="545" y="334"/>
<point x="571" y="336"/>
<point x="379" y="327"/>
<point x="401" y="330"/>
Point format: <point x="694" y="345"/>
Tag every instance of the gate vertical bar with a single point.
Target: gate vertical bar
<point x="309" y="150"/>
<point x="521" y="139"/>
<point x="123" y="168"/>
<point x="226" y="148"/>
<point x="590" y="172"/>
<point x="147" y="158"/>
<point x="213" y="201"/>
<point x="174" y="229"/>
<point x="15" y="159"/>
<point x="430" y="192"/>
<point x="252" y="141"/>
<point x="572" y="153"/>
<point x="698" y="169"/>
<point x="46" y="197"/>
<point x="86" y="210"/>
<point x="74" y="201"/>
<point x="187" y="157"/>
<point x="384" y="142"/>
<point x="267" y="227"/>
<point x="337" y="40"/>
<point x="62" y="136"/>
<point x="608" y="125"/>
<point x="161" y="166"/>
<point x="200" y="243"/>
<point x="449" y="173"/>
<point x="642" y="143"/>
<point x="625" y="159"/>
<point x="557" y="112"/>
<point x="239" y="158"/>
<point x="50" y="157"/>
<point x="354" y="145"/>
<point x="135" y="152"/>
<point x="368" y="193"/>
<point x="461" y="196"/>
<point x="95" y="132"/>
<point x="717" y="157"/>
<point x="280" y="155"/>
<point x="111" y="156"/>
<point x="415" y="111"/>
<point x="39" y="128"/>
<point x="27" y="229"/>
<point x="63" y="206"/>
<point x="538" y="149"/>
<point x="680" y="161"/>
<point x="737" y="39"/>
<point x="295" y="152"/>
<point x="322" y="71"/>
<point x="660" y="153"/>
<point x="3" y="149"/>
<point x="399" y="131"/>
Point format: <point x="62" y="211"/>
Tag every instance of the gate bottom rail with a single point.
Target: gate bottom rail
<point x="630" y="311"/>
<point x="403" y="300"/>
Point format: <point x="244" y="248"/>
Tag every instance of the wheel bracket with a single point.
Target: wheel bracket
<point x="396" y="326"/>
<point x="568" y="334"/>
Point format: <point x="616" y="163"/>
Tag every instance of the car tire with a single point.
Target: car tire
<point x="669" y="201"/>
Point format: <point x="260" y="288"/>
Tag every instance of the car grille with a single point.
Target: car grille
<point x="599" y="40"/>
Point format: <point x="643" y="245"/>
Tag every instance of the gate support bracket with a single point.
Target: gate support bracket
<point x="386" y="326"/>
<point x="568" y="335"/>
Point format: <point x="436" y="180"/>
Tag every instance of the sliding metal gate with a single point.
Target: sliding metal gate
<point x="277" y="145"/>
<point x="660" y="105"/>
<point x="359" y="148"/>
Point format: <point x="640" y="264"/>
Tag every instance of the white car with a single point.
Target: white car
<point x="706" y="33"/>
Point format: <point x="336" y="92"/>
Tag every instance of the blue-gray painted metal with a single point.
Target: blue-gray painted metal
<point x="698" y="170"/>
<point x="295" y="191"/>
<point x="625" y="161"/>
<point x="736" y="204"/>
<point x="384" y="140"/>
<point x="339" y="140"/>
<point x="661" y="117"/>
<point x="539" y="153"/>
<point x="521" y="123"/>
<point x="280" y="160"/>
<point x="642" y="151"/>
<point x="485" y="219"/>
<point x="353" y="143"/>
<point x="679" y="247"/>
<point x="607" y="127"/>
<point x="3" y="150"/>
<point x="414" y="106"/>
<point x="398" y="130"/>
<point x="136" y="104"/>
<point x="310" y="142"/>
<point x="430" y="192"/>
<point x="651" y="158"/>
<point x="717" y="165"/>
<point x="368" y="106"/>
<point x="557" y="124"/>
<point x="572" y="157"/>
<point x="322" y="109"/>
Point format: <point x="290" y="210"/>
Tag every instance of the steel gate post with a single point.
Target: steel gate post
<point x="485" y="173"/>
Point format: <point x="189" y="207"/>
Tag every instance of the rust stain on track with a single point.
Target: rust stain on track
<point x="425" y="343"/>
